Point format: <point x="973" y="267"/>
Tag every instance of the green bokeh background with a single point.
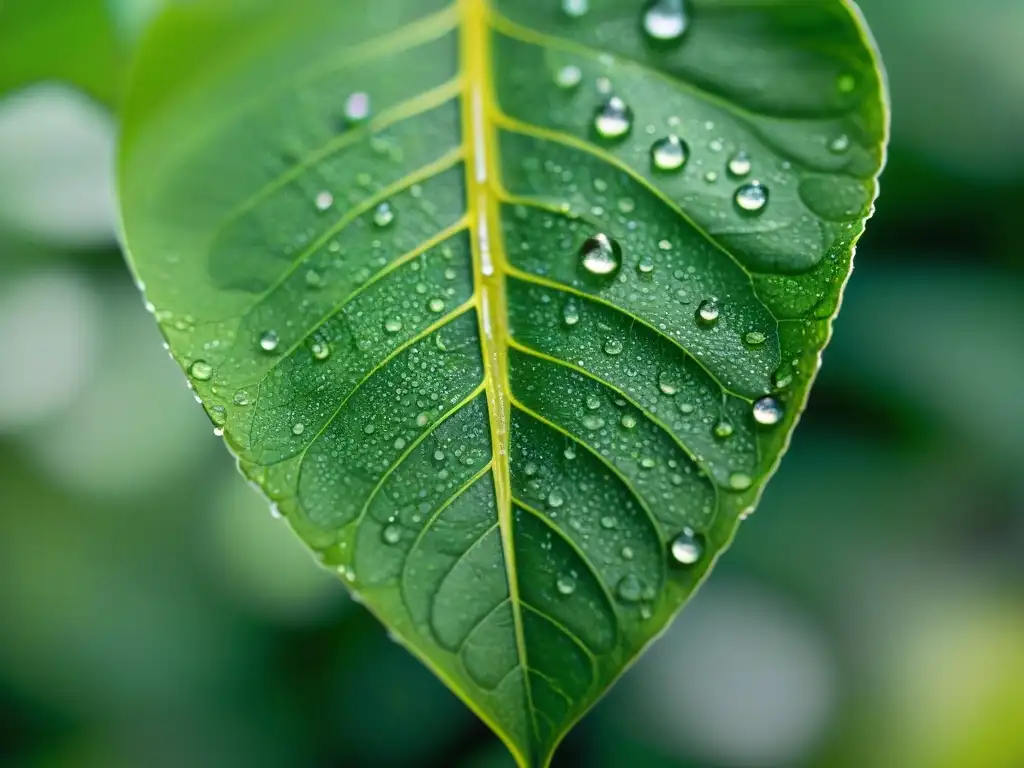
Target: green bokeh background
<point x="871" y="613"/>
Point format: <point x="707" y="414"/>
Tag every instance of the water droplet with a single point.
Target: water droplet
<point x="630" y="589"/>
<point x="219" y="415"/>
<point x="320" y="350"/>
<point x="241" y="398"/>
<point x="723" y="429"/>
<point x="569" y="76"/>
<point x="608" y="522"/>
<point x="575" y="8"/>
<point x="767" y="411"/>
<point x="569" y="453"/>
<point x="436" y="305"/>
<point x="422" y="419"/>
<point x="740" y="481"/>
<point x="393" y="324"/>
<point x="324" y="200"/>
<point x="369" y="429"/>
<point x="626" y="205"/>
<point x="593" y="402"/>
<point x="571" y="313"/>
<point x="384" y="215"/>
<point x="613" y="119"/>
<point x="201" y="370"/>
<point x="687" y="547"/>
<point x="648" y="463"/>
<point x="628" y="421"/>
<point x="839" y="144"/>
<point x="555" y="499"/>
<point x="530" y="469"/>
<point x="646" y="265"/>
<point x="627" y="553"/>
<point x="601" y="256"/>
<point x="665" y="20"/>
<point x="708" y="312"/>
<point x="314" y="279"/>
<point x="668" y="383"/>
<point x="752" y="197"/>
<point x="593" y="423"/>
<point x="357" y="106"/>
<point x="613" y="347"/>
<point x="565" y="584"/>
<point x="269" y="341"/>
<point x="740" y="165"/>
<point x="755" y="338"/>
<point x="711" y="177"/>
<point x="391" y="534"/>
<point x="298" y="429"/>
<point x="670" y="153"/>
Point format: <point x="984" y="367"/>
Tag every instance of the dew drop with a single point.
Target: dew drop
<point x="840" y="144"/>
<point x="241" y="398"/>
<point x="708" y="312"/>
<point x="436" y="305"/>
<point x="669" y="153"/>
<point x="767" y="411"/>
<point x="723" y="429"/>
<point x="740" y="165"/>
<point x="687" y="548"/>
<point x="324" y="200"/>
<point x="601" y="256"/>
<point x="357" y="106"/>
<point x="627" y="553"/>
<point x="571" y="314"/>
<point x="201" y="370"/>
<point x="613" y="347"/>
<point x="668" y="383"/>
<point x="320" y="350"/>
<point x="555" y="499"/>
<point x="219" y="415"/>
<point x="569" y="77"/>
<point x="384" y="215"/>
<point x="646" y="265"/>
<point x="314" y="279"/>
<point x="298" y="429"/>
<point x="593" y="402"/>
<point x="269" y="341"/>
<point x="608" y="522"/>
<point x="391" y="534"/>
<point x="593" y="423"/>
<point x="369" y="429"/>
<point x="752" y="197"/>
<point x="755" y="338"/>
<point x="613" y="119"/>
<point x="630" y="589"/>
<point x="575" y="8"/>
<point x="565" y="584"/>
<point x="628" y="421"/>
<point x="665" y="20"/>
<point x="393" y="324"/>
<point x="740" y="481"/>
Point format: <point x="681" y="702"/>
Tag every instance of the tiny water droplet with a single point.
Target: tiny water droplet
<point x="569" y="76"/>
<point x="839" y="144"/>
<point x="201" y="370"/>
<point x="357" y="106"/>
<point x="393" y="324"/>
<point x="665" y="20"/>
<point x="601" y="256"/>
<point x="687" y="548"/>
<point x="436" y="305"/>
<point x="324" y="200"/>
<point x="648" y="463"/>
<point x="740" y="481"/>
<point x="320" y="350"/>
<point x="384" y="215"/>
<point x="555" y="499"/>
<point x="565" y="584"/>
<point x="391" y="534"/>
<point x="298" y="429"/>
<point x="752" y="197"/>
<point x="669" y="153"/>
<point x="575" y="8"/>
<point x="711" y="177"/>
<point x="668" y="383"/>
<point x="627" y="553"/>
<point x="269" y="341"/>
<point x="708" y="312"/>
<point x="740" y="165"/>
<point x="767" y="411"/>
<point x="613" y="119"/>
<point x="613" y="347"/>
<point x="630" y="589"/>
<point x="723" y="429"/>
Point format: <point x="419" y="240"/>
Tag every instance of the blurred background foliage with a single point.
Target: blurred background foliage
<point x="871" y="612"/>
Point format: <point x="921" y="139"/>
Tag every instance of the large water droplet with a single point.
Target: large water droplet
<point x="613" y="119"/>
<point x="630" y="589"/>
<point x="571" y="313"/>
<point x="201" y="370"/>
<point x="723" y="429"/>
<point x="665" y="20"/>
<point x="555" y="499"/>
<point x="575" y="8"/>
<point x="645" y="266"/>
<point x="601" y="255"/>
<point x="436" y="305"/>
<point x="740" y="165"/>
<point x="839" y="144"/>
<point x="324" y="200"/>
<point x="613" y="347"/>
<point x="320" y="350"/>
<point x="298" y="429"/>
<point x="384" y="215"/>
<point x="391" y="534"/>
<point x="752" y="197"/>
<point x="740" y="481"/>
<point x="687" y="547"/>
<point x="768" y="412"/>
<point x="241" y="398"/>
<point x="565" y="584"/>
<point x="593" y="402"/>
<point x="628" y="421"/>
<point x="669" y="153"/>
<point x="393" y="324"/>
<point x="754" y="338"/>
<point x="357" y="106"/>
<point x="668" y="383"/>
<point x="593" y="423"/>
<point x="569" y="76"/>
<point x="708" y="312"/>
<point x="269" y="341"/>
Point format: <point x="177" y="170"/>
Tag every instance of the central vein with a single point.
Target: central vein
<point x="489" y="269"/>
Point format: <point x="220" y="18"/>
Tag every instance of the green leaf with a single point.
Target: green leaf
<point x="510" y="379"/>
<point x="71" y="41"/>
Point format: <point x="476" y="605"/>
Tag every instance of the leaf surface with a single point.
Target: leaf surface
<point x="510" y="310"/>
